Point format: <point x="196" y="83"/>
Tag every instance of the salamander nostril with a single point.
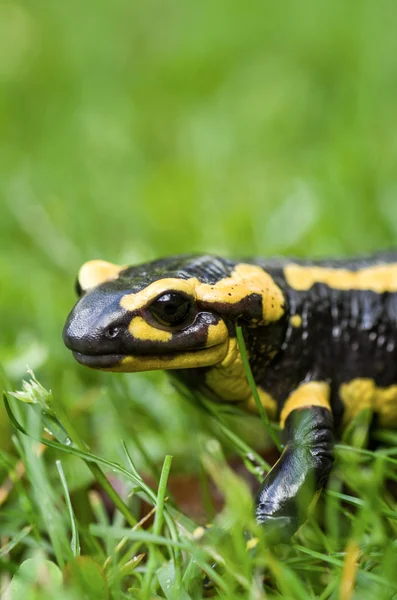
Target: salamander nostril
<point x="112" y="332"/>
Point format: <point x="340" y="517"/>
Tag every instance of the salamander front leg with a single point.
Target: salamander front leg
<point x="285" y="496"/>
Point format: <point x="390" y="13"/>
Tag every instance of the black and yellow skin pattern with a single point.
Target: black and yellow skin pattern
<point x="320" y="335"/>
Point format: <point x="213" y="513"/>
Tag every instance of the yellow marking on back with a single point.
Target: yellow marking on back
<point x="362" y="393"/>
<point x="141" y="330"/>
<point x="313" y="393"/>
<point x="95" y="272"/>
<point x="378" y="278"/>
<point x="244" y="281"/>
<point x="296" y="321"/>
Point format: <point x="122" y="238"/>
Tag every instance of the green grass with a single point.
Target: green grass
<point x="354" y="550"/>
<point x="131" y="130"/>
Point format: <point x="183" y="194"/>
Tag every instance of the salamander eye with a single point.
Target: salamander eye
<point x="171" y="308"/>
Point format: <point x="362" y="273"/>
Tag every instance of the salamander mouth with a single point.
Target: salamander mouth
<point x="99" y="361"/>
<point x="110" y="361"/>
<point x="147" y="362"/>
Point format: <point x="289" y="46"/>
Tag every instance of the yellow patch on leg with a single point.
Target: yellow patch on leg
<point x="361" y="393"/>
<point x="313" y="393"/>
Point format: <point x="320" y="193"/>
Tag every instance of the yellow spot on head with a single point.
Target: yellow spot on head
<point x="217" y="333"/>
<point x="141" y="330"/>
<point x="296" y="321"/>
<point x="244" y="281"/>
<point x="141" y="299"/>
<point x="95" y="272"/>
<point x="188" y="357"/>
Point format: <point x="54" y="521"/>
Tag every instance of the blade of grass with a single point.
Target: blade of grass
<point x="169" y="515"/>
<point x="94" y="468"/>
<point x="368" y="453"/>
<point x="43" y="500"/>
<point x="74" y="542"/>
<point x="6" y="549"/>
<point x="86" y="456"/>
<point x="158" y="522"/>
<point x="390" y="514"/>
<point x="288" y="581"/>
<point x="252" y="460"/>
<point x="131" y="475"/>
<point x="126" y="557"/>
<point x="340" y="563"/>
<point x="252" y="384"/>
<point x="199" y="553"/>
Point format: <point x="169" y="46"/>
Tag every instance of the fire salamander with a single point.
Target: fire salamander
<point x="321" y="338"/>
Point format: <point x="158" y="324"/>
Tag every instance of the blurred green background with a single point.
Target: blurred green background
<point x="131" y="130"/>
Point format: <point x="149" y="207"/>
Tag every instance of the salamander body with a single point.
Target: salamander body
<point x="320" y="336"/>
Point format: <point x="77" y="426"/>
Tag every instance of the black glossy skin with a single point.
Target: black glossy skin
<point x="304" y="467"/>
<point x="344" y="335"/>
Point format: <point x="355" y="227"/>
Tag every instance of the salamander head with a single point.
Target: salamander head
<point x="174" y="313"/>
